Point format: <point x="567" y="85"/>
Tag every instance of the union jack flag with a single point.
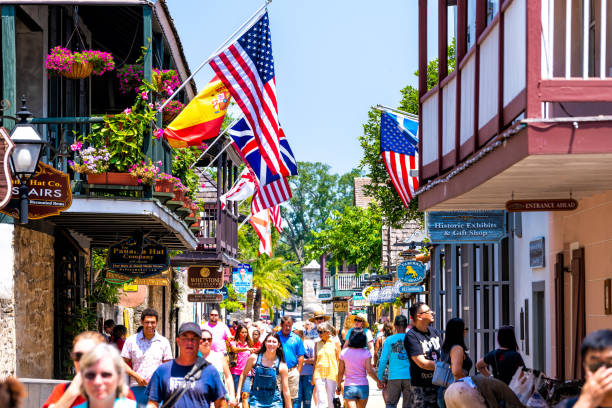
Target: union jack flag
<point x="246" y="67"/>
<point x="399" y="151"/>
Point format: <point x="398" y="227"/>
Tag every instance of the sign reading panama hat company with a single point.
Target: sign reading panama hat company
<point x="138" y="259"/>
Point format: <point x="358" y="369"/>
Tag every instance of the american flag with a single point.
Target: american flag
<point x="399" y="151"/>
<point x="270" y="195"/>
<point x="246" y="68"/>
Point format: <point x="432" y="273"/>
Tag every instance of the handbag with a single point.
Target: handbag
<point x="443" y="375"/>
<point x="337" y="403"/>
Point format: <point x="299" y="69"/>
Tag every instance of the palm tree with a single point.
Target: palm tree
<point x="270" y="283"/>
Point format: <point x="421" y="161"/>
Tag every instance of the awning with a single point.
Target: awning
<point x="107" y="221"/>
<point x="188" y="258"/>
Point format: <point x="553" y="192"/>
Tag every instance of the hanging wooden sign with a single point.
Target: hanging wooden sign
<point x="6" y="149"/>
<point x="561" y="204"/>
<point x="205" y="277"/>
<point x="138" y="259"/>
<point x="205" y="297"/>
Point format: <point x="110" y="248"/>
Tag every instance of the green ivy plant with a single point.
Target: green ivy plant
<point x="183" y="159"/>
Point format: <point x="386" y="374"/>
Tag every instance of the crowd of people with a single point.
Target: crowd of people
<point x="298" y="364"/>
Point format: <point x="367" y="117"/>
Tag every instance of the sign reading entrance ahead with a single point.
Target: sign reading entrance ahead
<point x="205" y="277"/>
<point x="449" y="227"/>
<point x="130" y="259"/>
<point x="50" y="194"/>
<point x="205" y="297"/>
<point x="242" y="278"/>
<point x="411" y="272"/>
<point x="563" y="204"/>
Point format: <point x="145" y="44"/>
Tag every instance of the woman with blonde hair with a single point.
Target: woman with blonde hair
<point x="327" y="354"/>
<point x="103" y="373"/>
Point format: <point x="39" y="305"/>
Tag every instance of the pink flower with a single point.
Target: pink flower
<point x="127" y="111"/>
<point x="159" y="133"/>
<point x="76" y="146"/>
<point x="144" y="96"/>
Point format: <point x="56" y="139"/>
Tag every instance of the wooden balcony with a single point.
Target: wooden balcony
<point x="531" y="88"/>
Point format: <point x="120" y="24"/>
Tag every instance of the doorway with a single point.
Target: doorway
<point x="538" y="329"/>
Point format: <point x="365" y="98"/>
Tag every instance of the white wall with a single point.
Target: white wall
<point x="535" y="225"/>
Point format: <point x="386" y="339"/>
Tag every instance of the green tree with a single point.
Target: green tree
<point x="316" y="193"/>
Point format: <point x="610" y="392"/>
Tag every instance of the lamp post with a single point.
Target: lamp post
<point x="25" y="156"/>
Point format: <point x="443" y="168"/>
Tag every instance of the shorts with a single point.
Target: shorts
<point x="396" y="389"/>
<point x="356" y="392"/>
<point x="294" y="383"/>
<point x="424" y="397"/>
<point x="246" y="385"/>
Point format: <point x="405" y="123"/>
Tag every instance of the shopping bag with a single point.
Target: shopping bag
<point x="524" y="383"/>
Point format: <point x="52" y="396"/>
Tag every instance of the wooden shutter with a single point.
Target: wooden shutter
<point x="578" y="284"/>
<point x="560" y="316"/>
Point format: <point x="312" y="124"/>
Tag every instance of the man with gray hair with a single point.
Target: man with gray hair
<point x="294" y="351"/>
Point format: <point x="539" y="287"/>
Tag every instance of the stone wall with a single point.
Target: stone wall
<point x="7" y="303"/>
<point x="34" y="302"/>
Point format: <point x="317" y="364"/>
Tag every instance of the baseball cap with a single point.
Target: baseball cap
<point x="190" y="327"/>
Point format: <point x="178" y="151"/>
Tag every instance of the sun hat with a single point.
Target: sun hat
<point x="360" y="316"/>
<point x="318" y="313"/>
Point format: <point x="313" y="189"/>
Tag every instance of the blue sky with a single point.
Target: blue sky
<point x="333" y="60"/>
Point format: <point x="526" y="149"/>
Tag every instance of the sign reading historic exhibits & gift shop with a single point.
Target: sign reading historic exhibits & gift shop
<point x="466" y="226"/>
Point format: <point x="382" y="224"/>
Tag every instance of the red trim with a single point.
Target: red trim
<point x="440" y="116"/>
<point x="429" y="93"/>
<point x="488" y="29"/>
<point x="448" y="160"/>
<point x="466" y="148"/>
<point x="422" y="46"/>
<point x="533" y="62"/>
<point x="487" y="131"/>
<point x="467" y="57"/>
<point x="476" y="97"/>
<point x="500" y="77"/>
<point x="505" y="5"/>
<point x="576" y="90"/>
<point x="429" y="170"/>
<point x="461" y="52"/>
<point x="562" y="138"/>
<point x="514" y="108"/>
<point x="448" y="78"/>
<point x="442" y="40"/>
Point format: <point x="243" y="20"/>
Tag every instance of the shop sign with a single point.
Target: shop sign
<point x="205" y="277"/>
<point x="411" y="289"/>
<point x="157" y="280"/>
<point x="412" y="272"/>
<point x="205" y="297"/>
<point x="325" y="294"/>
<point x="448" y="227"/>
<point x="6" y="149"/>
<point x="387" y="295"/>
<point x="374" y="296"/>
<point x="537" y="253"/>
<point x="135" y="260"/>
<point x="128" y="287"/>
<point x="341" y="306"/>
<point x="49" y="194"/>
<point x="242" y="278"/>
<point x="223" y="292"/>
<point x="561" y="204"/>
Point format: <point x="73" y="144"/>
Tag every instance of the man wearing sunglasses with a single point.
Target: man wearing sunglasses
<point x="596" y="352"/>
<point x="423" y="345"/>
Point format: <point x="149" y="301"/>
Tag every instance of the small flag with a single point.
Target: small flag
<point x="275" y="215"/>
<point x="243" y="189"/>
<point x="398" y="147"/>
<point x="247" y="146"/>
<point x="270" y="195"/>
<point x="246" y="67"/>
<point x="202" y="118"/>
<point x="261" y="222"/>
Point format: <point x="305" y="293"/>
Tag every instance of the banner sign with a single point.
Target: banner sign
<point x="242" y="278"/>
<point x="205" y="297"/>
<point x="223" y="292"/>
<point x="157" y="280"/>
<point x="411" y="289"/>
<point x="562" y="204"/>
<point x="412" y="272"/>
<point x="447" y="227"/>
<point x="341" y="306"/>
<point x="49" y="194"/>
<point x="205" y="277"/>
<point x="138" y="260"/>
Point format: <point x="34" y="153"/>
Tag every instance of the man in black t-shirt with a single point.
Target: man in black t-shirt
<point x="423" y="345"/>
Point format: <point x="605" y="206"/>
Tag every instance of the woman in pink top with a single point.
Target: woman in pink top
<point x="355" y="365"/>
<point x="242" y="347"/>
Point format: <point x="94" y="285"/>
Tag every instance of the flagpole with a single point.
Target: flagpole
<point x="214" y="54"/>
<point x="214" y="141"/>
<point x="385" y="108"/>
<point x="244" y="222"/>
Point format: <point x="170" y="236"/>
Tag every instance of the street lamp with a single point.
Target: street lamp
<point x="25" y="156"/>
<point x="315" y="286"/>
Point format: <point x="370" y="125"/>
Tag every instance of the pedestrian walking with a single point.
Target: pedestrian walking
<point x="325" y="372"/>
<point x="293" y="347"/>
<point x="395" y="362"/>
<point x="170" y="376"/>
<point x="242" y="347"/>
<point x="422" y="343"/>
<point x="386" y="330"/>
<point x="103" y="374"/>
<point x="221" y="333"/>
<point x="503" y="361"/>
<point x="306" y="388"/>
<point x="454" y="351"/>
<point x="256" y="339"/>
<point x="355" y="365"/>
<point x="218" y="360"/>
<point x="145" y="352"/>
<point x="119" y="336"/>
<point x="69" y="395"/>
<point x="109" y="325"/>
<point x="360" y="321"/>
<point x="596" y="351"/>
<point x="267" y="365"/>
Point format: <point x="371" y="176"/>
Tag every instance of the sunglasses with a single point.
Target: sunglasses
<point x="319" y="318"/>
<point x="206" y="339"/>
<point x="76" y="356"/>
<point x="91" y="375"/>
<point x="431" y="312"/>
<point x="321" y="331"/>
<point x="595" y="366"/>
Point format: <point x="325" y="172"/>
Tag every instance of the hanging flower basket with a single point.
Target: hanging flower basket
<point x="171" y="111"/>
<point x="78" y="65"/>
<point x="79" y="70"/>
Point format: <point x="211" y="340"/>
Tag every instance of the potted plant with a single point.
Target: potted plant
<point x="171" y="111"/>
<point x="78" y="65"/>
<point x="164" y="183"/>
<point x="145" y="173"/>
<point x="179" y="191"/>
<point x="90" y="161"/>
<point x="165" y="81"/>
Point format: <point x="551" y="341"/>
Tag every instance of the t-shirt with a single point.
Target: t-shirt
<point x="119" y="403"/>
<point x="60" y="389"/>
<point x="355" y="359"/>
<point x="171" y="375"/>
<point x="426" y="344"/>
<point x="508" y="361"/>
<point x="309" y="345"/>
<point x="146" y="355"/>
<point x="293" y="348"/>
<point x="394" y="353"/>
<point x="367" y="332"/>
<point x="220" y="332"/>
<point x="241" y="358"/>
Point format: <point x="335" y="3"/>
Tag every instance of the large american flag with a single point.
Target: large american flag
<point x="399" y="151"/>
<point x="246" y="68"/>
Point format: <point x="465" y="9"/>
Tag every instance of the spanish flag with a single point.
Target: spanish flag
<point x="201" y="119"/>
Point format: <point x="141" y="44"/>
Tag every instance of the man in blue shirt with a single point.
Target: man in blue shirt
<point x="398" y="381"/>
<point x="293" y="348"/>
